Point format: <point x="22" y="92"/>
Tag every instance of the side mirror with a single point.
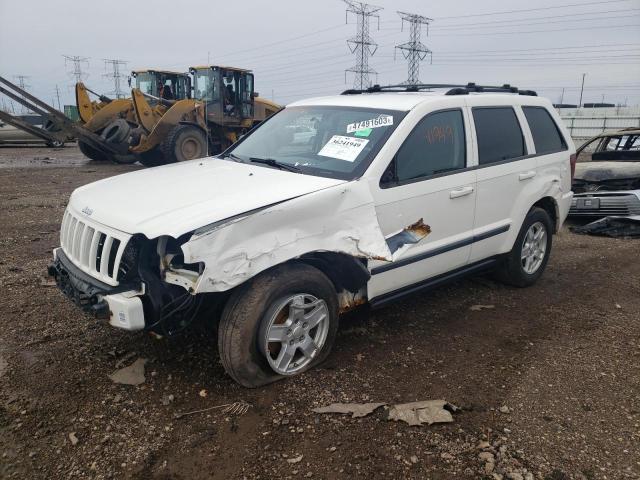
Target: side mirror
<point x="255" y="94"/>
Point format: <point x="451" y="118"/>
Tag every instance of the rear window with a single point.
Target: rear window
<point x="499" y="134"/>
<point x="546" y="136"/>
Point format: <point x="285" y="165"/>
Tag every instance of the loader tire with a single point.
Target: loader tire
<point x="184" y="142"/>
<point x="91" y="153"/>
<point x="117" y="132"/>
<point x="152" y="158"/>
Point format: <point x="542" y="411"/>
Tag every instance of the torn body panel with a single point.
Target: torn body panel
<point x="341" y="219"/>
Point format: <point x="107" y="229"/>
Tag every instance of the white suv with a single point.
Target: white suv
<point x="331" y="203"/>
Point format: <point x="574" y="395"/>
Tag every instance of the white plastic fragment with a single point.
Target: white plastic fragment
<point x="428" y="411"/>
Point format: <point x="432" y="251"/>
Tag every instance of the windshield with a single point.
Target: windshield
<point x="146" y="83"/>
<point x="204" y="82"/>
<point x="337" y="142"/>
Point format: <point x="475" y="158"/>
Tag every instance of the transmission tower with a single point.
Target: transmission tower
<point x="77" y="62"/>
<point x="115" y="74"/>
<point x="362" y="45"/>
<point x="23" y="85"/>
<point x="414" y="50"/>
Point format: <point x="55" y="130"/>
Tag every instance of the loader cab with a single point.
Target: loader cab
<point x="165" y="84"/>
<point x="228" y="93"/>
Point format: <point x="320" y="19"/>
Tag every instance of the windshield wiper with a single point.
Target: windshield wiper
<point x="233" y="156"/>
<point x="274" y="163"/>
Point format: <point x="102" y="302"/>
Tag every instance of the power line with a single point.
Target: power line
<point x="504" y="12"/>
<point x="362" y="45"/>
<point x="77" y="62"/>
<point x="514" y="23"/>
<point x="536" y="31"/>
<point x="552" y="17"/>
<point x="115" y="74"/>
<point x="414" y="50"/>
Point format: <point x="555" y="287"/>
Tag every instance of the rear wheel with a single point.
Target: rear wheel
<point x="55" y="144"/>
<point x="278" y="324"/>
<point x="184" y="142"/>
<point x="91" y="153"/>
<point x="526" y="261"/>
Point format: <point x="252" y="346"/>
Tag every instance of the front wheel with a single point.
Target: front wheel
<point x="526" y="261"/>
<point x="184" y="142"/>
<point x="55" y="144"/>
<point x="278" y="324"/>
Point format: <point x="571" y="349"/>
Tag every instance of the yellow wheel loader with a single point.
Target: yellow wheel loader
<point x="115" y="121"/>
<point x="224" y="107"/>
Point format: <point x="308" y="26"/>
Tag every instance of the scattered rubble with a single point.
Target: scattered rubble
<point x="131" y="375"/>
<point x="477" y="308"/>
<point x="355" y="409"/>
<point x="235" y="408"/>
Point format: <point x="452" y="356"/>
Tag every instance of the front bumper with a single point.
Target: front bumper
<point x="606" y="203"/>
<point x="121" y="305"/>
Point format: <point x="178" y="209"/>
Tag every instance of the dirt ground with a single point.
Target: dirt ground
<point x="547" y="379"/>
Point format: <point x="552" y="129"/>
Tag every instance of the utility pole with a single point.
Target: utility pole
<point x="362" y="45"/>
<point x="115" y="74"/>
<point x="562" y="97"/>
<point x="581" y="90"/>
<point x="414" y="50"/>
<point x="77" y="63"/>
<point x="23" y="85"/>
<point x="58" y="95"/>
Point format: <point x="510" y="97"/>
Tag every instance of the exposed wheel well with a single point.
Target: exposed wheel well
<point x="345" y="272"/>
<point x="551" y="207"/>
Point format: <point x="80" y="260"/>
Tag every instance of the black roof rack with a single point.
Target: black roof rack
<point x="453" y="89"/>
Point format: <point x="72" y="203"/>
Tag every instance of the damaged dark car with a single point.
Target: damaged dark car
<point x="607" y="176"/>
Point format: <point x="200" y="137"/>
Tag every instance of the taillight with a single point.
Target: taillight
<point x="572" y="163"/>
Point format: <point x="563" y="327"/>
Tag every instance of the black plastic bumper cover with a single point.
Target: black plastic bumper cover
<point x="82" y="289"/>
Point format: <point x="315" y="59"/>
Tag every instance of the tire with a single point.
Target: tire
<point x="247" y="320"/>
<point x="126" y="159"/>
<point x="55" y="144"/>
<point x="152" y="158"/>
<point x="91" y="153"/>
<point x="184" y="142"/>
<point x="116" y="132"/>
<point x="514" y="269"/>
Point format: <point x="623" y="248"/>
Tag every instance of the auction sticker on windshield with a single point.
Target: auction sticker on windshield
<point x="379" y="121"/>
<point x="343" y="148"/>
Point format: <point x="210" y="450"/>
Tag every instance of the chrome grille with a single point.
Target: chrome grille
<point x="610" y="204"/>
<point x="93" y="248"/>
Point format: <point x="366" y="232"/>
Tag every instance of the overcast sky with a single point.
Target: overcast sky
<point x="297" y="48"/>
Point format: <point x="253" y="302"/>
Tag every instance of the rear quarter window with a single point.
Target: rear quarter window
<point x="546" y="135"/>
<point x="499" y="134"/>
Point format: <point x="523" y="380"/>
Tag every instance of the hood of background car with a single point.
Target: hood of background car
<point x="611" y="170"/>
<point x="175" y="199"/>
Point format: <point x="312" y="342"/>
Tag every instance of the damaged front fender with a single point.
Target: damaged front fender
<point x="339" y="219"/>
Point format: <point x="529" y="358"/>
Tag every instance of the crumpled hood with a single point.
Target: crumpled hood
<point x="177" y="198"/>
<point x="600" y="171"/>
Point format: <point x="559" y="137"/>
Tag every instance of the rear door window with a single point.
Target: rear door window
<point x="499" y="134"/>
<point x="546" y="136"/>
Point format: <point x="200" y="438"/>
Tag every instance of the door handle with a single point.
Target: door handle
<point x="527" y="175"/>
<point x="461" y="192"/>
